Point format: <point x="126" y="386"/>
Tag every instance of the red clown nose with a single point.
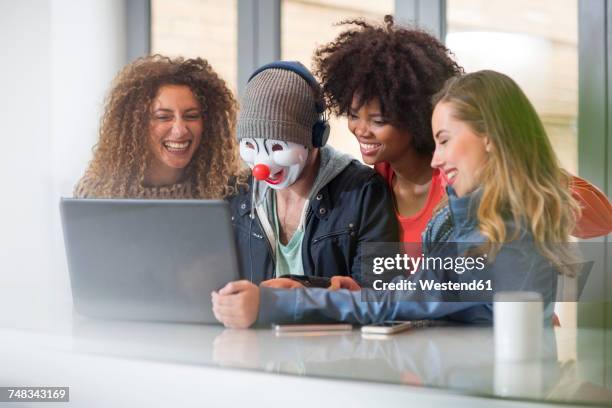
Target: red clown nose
<point x="261" y="172"/>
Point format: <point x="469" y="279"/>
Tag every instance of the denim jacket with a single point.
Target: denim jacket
<point x="515" y="267"/>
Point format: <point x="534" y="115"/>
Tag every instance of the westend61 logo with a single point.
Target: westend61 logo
<point x="405" y="263"/>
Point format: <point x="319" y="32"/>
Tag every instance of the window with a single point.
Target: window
<point x="198" y="28"/>
<point x="308" y="24"/>
<point x="536" y="44"/>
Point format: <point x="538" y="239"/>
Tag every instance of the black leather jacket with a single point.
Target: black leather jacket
<point x="355" y="207"/>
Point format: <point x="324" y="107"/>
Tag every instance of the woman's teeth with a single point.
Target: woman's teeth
<point x="369" y="149"/>
<point x="369" y="146"/>
<point x="450" y="176"/>
<point x="177" y="146"/>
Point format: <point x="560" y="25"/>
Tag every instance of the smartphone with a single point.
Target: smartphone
<point x="393" y="326"/>
<point x="285" y="328"/>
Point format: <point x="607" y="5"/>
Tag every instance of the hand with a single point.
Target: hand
<point x="237" y="348"/>
<point x="281" y="283"/>
<point x="236" y="305"/>
<point x="343" y="282"/>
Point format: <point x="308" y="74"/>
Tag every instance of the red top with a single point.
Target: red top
<point x="412" y="227"/>
<point x="596" y="218"/>
<point x="595" y="221"/>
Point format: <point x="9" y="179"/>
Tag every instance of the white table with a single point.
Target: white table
<point x="115" y="364"/>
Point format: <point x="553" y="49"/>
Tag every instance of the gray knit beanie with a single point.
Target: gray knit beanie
<point x="278" y="104"/>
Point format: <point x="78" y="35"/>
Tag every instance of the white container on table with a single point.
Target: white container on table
<point x="518" y="325"/>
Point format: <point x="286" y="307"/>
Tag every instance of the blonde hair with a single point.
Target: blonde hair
<point x="522" y="179"/>
<point x="121" y="155"/>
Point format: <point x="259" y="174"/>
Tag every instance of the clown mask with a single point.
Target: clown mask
<point x="275" y="162"/>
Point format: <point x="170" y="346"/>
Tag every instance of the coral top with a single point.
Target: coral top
<point x="595" y="220"/>
<point x="412" y="227"/>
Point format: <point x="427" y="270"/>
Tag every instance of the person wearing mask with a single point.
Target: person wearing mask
<point x="309" y="209"/>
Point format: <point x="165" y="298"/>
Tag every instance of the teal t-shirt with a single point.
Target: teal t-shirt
<point x="288" y="257"/>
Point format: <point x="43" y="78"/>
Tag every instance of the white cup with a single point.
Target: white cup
<point x="518" y="323"/>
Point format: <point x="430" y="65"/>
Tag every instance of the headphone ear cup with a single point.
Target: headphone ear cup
<point x="320" y="133"/>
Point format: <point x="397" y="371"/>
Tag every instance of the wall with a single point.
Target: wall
<point x="59" y="57"/>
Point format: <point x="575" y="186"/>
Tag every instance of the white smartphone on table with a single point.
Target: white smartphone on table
<point x="394" y="326"/>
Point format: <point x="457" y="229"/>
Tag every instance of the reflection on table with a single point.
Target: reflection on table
<point x="458" y="358"/>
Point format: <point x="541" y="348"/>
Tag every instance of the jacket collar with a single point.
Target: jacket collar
<point x="331" y="164"/>
<point x="320" y="203"/>
<point x="464" y="209"/>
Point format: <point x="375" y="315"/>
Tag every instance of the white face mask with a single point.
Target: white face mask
<point x="275" y="162"/>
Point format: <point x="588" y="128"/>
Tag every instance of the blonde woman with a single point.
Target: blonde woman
<point x="166" y="132"/>
<point x="506" y="193"/>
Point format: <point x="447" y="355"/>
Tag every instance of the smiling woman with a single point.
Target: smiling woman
<point x="459" y="153"/>
<point x="175" y="133"/>
<point x="167" y="132"/>
<point x="382" y="77"/>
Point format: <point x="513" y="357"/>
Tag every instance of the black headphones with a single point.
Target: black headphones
<point x="320" y="130"/>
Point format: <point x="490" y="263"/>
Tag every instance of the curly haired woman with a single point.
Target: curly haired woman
<point x="166" y="132"/>
<point x="383" y="78"/>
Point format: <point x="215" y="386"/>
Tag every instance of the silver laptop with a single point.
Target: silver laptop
<point x="148" y="259"/>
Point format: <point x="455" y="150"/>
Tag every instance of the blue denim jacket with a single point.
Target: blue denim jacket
<point x="515" y="267"/>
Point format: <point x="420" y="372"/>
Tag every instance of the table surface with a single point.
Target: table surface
<point x="457" y="359"/>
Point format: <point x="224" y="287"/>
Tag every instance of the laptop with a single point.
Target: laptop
<point x="155" y="260"/>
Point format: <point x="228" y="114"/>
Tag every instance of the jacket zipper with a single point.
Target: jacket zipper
<point x="264" y="237"/>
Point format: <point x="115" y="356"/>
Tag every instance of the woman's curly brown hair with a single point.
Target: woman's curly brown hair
<point x="401" y="67"/>
<point x="121" y="154"/>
